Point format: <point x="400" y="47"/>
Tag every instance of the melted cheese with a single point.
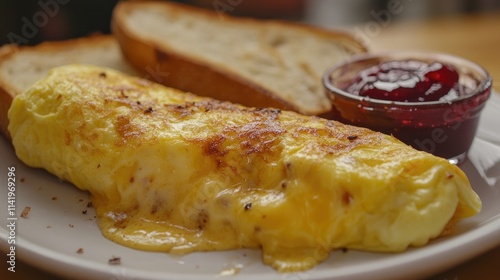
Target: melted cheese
<point x="169" y="171"/>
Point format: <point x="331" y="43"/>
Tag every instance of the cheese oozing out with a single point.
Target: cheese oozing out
<point x="170" y="171"/>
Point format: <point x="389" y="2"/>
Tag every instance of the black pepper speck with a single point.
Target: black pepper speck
<point x="248" y="206"/>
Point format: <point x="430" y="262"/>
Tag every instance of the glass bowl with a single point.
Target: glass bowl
<point x="445" y="128"/>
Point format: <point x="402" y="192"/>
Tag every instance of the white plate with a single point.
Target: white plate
<point x="56" y="228"/>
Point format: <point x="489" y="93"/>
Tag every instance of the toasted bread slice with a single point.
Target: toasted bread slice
<point x="252" y="62"/>
<point x="20" y="67"/>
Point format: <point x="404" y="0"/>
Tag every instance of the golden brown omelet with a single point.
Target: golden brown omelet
<point x="169" y="171"/>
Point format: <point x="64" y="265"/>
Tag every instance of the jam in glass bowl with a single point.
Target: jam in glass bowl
<point x="430" y="101"/>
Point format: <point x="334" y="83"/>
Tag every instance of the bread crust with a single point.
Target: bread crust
<point x="5" y="101"/>
<point x="200" y="77"/>
<point x="8" y="90"/>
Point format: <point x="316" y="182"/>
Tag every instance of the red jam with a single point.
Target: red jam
<point x="427" y="104"/>
<point x="407" y="81"/>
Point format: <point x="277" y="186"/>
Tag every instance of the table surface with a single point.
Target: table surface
<point x="475" y="37"/>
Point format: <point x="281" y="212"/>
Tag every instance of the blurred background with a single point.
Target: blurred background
<point x="32" y="21"/>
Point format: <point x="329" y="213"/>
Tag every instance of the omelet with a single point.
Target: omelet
<point x="170" y="171"/>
